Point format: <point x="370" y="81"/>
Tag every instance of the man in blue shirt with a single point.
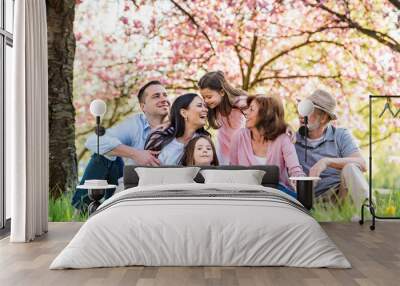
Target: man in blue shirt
<point x="125" y="140"/>
<point x="332" y="153"/>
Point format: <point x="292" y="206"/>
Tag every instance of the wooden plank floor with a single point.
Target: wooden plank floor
<point x="375" y="257"/>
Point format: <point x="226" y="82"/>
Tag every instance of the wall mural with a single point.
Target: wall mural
<point x="226" y="78"/>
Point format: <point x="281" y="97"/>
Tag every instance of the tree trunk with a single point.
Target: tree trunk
<point x="61" y="52"/>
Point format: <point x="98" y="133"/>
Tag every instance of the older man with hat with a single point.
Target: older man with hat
<point x="332" y="153"/>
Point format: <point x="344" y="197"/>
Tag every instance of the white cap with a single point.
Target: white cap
<point x="98" y="107"/>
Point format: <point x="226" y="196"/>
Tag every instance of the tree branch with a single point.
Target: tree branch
<point x="309" y="32"/>
<point x="395" y="3"/>
<point x="83" y="133"/>
<point x="285" y="52"/>
<point x="295" y="76"/>
<point x="250" y="66"/>
<point x="135" y="4"/>
<point x="241" y="60"/>
<point x="379" y="140"/>
<point x="382" y="38"/>
<point x="82" y="153"/>
<point x="193" y="20"/>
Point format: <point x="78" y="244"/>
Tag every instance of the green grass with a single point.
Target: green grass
<point x="61" y="209"/>
<point x="387" y="205"/>
<point x="333" y="211"/>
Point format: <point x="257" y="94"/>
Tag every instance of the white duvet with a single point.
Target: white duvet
<point x="183" y="231"/>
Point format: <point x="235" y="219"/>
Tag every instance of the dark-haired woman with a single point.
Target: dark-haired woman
<point x="264" y="141"/>
<point x="188" y="116"/>
<point x="200" y="151"/>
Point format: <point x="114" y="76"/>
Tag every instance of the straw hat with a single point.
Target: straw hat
<point x="325" y="102"/>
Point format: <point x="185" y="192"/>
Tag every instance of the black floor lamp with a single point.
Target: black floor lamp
<point x="305" y="108"/>
<point x="98" y="108"/>
<point x="368" y="203"/>
<point x="304" y="185"/>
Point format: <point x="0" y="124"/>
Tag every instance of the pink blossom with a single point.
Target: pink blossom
<point x="89" y="44"/>
<point x="104" y="76"/>
<point x="78" y="36"/>
<point x="137" y="24"/>
<point x="109" y="39"/>
<point x="230" y="3"/>
<point x="124" y="20"/>
<point x="391" y="79"/>
<point x="229" y="42"/>
<point x="172" y="46"/>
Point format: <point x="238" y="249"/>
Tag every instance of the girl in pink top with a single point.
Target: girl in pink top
<point x="264" y="141"/>
<point x="224" y="103"/>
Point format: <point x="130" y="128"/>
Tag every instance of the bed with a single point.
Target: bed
<point x="201" y="224"/>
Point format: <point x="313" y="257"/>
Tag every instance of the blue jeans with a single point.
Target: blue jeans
<point x="100" y="168"/>
<point x="286" y="190"/>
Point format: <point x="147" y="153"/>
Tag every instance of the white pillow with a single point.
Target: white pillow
<point x="166" y="176"/>
<point x="248" y="177"/>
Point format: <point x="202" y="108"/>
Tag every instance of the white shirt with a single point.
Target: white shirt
<point x="315" y="142"/>
<point x="261" y="160"/>
<point x="172" y="153"/>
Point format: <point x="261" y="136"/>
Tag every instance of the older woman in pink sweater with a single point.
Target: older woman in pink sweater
<point x="264" y="141"/>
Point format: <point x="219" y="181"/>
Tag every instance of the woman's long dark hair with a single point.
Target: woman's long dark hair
<point x="160" y="138"/>
<point x="216" y="81"/>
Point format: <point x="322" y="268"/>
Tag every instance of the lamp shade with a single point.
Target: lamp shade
<point x="305" y="107"/>
<point x="98" y="107"/>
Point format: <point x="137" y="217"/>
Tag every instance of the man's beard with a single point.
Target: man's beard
<point x="314" y="126"/>
<point x="310" y="127"/>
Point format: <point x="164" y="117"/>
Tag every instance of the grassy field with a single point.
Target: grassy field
<point x="387" y="205"/>
<point x="62" y="210"/>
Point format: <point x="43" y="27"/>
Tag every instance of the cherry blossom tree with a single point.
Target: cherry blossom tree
<point x="283" y="48"/>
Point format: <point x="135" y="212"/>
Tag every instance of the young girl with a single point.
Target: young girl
<point x="200" y="151"/>
<point x="224" y="103"/>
